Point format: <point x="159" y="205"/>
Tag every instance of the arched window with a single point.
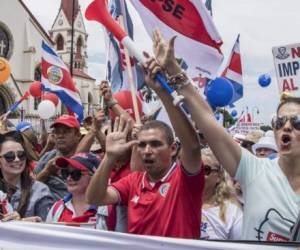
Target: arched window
<point x="37" y="77"/>
<point x="37" y="73"/>
<point x="59" y="42"/>
<point x="79" y="44"/>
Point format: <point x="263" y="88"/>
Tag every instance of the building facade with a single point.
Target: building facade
<point x="20" y="44"/>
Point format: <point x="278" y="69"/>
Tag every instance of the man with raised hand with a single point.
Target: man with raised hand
<point x="165" y="199"/>
<point x="271" y="188"/>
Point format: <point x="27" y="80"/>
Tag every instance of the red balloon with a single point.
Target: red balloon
<point x="35" y="89"/>
<point x="51" y="97"/>
<point x="124" y="99"/>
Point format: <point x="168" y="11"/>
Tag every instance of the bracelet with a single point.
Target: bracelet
<point x="178" y="81"/>
<point x="111" y="103"/>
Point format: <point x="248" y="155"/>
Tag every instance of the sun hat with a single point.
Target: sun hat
<point x="267" y="141"/>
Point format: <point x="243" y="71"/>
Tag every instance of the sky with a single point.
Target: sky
<point x="262" y="24"/>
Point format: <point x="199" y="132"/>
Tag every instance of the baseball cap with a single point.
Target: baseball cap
<point x="22" y="126"/>
<point x="81" y="161"/>
<point x="67" y="120"/>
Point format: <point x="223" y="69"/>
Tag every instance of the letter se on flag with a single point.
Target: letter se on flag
<point x="174" y="14"/>
<point x="198" y="41"/>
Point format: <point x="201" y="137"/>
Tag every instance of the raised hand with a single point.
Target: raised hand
<point x="164" y="53"/>
<point x="98" y="120"/>
<point x="116" y="139"/>
<point x="150" y="68"/>
<point x="105" y="91"/>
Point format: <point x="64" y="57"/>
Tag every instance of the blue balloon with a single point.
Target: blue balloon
<point x="234" y="113"/>
<point x="264" y="80"/>
<point x="219" y="92"/>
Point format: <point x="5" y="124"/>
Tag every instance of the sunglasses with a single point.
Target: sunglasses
<point x="75" y="174"/>
<point x="208" y="170"/>
<point x="11" y="156"/>
<point x="279" y="121"/>
<point x="246" y="144"/>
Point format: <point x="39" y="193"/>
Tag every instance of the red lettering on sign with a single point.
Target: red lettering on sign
<point x="295" y="52"/>
<point x="289" y="86"/>
<point x="276" y="237"/>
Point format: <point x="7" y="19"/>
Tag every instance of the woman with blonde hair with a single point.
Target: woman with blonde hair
<point x="221" y="211"/>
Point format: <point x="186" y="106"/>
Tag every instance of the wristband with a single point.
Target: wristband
<point x="179" y="80"/>
<point x="111" y="103"/>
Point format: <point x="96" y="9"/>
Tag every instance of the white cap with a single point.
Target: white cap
<point x="267" y="141"/>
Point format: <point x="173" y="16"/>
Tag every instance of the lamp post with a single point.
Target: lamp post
<point x="253" y="111"/>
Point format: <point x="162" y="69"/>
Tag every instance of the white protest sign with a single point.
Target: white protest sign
<point x="287" y="65"/>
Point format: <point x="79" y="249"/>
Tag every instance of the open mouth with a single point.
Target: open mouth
<point x="286" y="139"/>
<point x="148" y="161"/>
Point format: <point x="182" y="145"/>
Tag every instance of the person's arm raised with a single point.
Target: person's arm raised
<point x="226" y="150"/>
<point x="191" y="156"/>
<point x="98" y="191"/>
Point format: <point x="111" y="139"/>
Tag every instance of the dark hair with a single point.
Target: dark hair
<point x="26" y="180"/>
<point x="163" y="127"/>
<point x="288" y="99"/>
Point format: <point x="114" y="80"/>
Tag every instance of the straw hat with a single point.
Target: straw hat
<point x="253" y="136"/>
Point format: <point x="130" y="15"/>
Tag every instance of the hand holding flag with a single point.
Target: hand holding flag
<point x="97" y="11"/>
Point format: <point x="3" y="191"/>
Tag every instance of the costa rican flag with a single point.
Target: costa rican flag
<point x="198" y="41"/>
<point x="116" y="66"/>
<point x="56" y="78"/>
<point x="233" y="71"/>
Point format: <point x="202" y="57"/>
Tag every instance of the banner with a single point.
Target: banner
<point x="40" y="236"/>
<point x="198" y="41"/>
<point x="287" y="65"/>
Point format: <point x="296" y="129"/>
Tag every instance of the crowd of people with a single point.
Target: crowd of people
<point x="119" y="175"/>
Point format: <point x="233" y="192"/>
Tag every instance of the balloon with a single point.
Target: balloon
<point x="46" y="109"/>
<point x="4" y="70"/>
<point x="219" y="92"/>
<point x="35" y="89"/>
<point x="234" y="113"/>
<point x="51" y="97"/>
<point x="264" y="80"/>
<point x="125" y="101"/>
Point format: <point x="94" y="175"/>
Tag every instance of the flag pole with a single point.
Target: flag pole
<point x="131" y="82"/>
<point x="72" y="39"/>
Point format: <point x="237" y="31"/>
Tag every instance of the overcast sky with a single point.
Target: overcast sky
<point x="262" y="24"/>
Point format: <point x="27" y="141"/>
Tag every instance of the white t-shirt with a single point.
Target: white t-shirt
<point x="213" y="228"/>
<point x="270" y="204"/>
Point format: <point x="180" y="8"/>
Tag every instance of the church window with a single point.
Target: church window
<point x="37" y="77"/>
<point x="59" y="42"/>
<point x="4" y="42"/>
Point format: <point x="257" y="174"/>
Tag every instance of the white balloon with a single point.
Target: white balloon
<point x="46" y="109"/>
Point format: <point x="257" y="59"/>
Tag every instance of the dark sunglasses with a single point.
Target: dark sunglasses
<point x="11" y="156"/>
<point x="75" y="174"/>
<point x="279" y="121"/>
<point x="208" y="170"/>
<point x="247" y="144"/>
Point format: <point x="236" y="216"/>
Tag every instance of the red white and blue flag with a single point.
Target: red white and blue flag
<point x="56" y="78"/>
<point x="117" y="73"/>
<point x="233" y="71"/>
<point x="198" y="41"/>
<point x="17" y="103"/>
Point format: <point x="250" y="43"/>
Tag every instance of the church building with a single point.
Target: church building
<point x="21" y="36"/>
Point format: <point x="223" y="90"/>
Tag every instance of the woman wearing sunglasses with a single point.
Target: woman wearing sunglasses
<point x="27" y="196"/>
<point x="271" y="188"/>
<point x="221" y="212"/>
<point x="77" y="171"/>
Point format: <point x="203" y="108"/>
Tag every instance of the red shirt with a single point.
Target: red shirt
<point x="120" y="173"/>
<point x="172" y="207"/>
